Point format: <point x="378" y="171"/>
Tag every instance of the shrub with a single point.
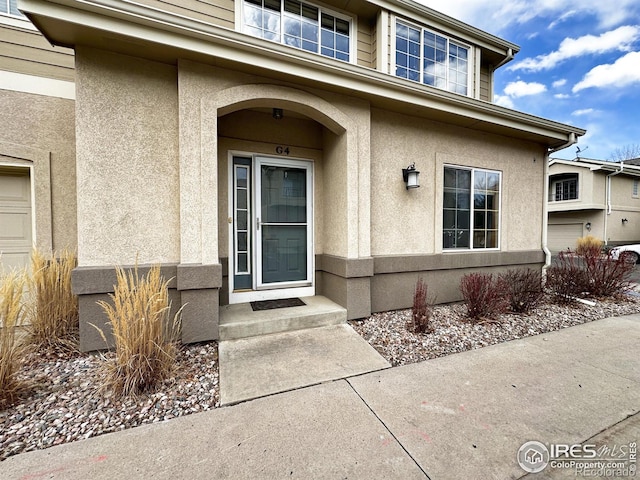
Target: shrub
<point x="592" y="274"/>
<point x="144" y="336"/>
<point x="483" y="295"/>
<point x="421" y="310"/>
<point x="12" y="350"/>
<point x="589" y="245"/>
<point x="53" y="308"/>
<point x="523" y="289"/>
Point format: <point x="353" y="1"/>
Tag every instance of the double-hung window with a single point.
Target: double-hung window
<point x="300" y="25"/>
<point x="10" y="7"/>
<point x="430" y="58"/>
<point x="471" y="208"/>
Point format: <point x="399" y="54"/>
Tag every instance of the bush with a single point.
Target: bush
<point x="53" y="308"/>
<point x="483" y="294"/>
<point x="12" y="350"/>
<point x="523" y="289"/>
<point x="144" y="337"/>
<point x="590" y="274"/>
<point x="421" y="310"/>
<point x="589" y="245"/>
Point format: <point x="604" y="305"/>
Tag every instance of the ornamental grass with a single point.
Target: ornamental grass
<point x="12" y="348"/>
<point x="52" y="307"/>
<point x="144" y="336"/>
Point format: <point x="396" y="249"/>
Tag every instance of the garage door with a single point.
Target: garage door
<point x="563" y="236"/>
<point x="15" y="218"/>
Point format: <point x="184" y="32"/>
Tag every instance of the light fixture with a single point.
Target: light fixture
<point x="588" y="226"/>
<point x="277" y="113"/>
<point x="624" y="221"/>
<point x="410" y="176"/>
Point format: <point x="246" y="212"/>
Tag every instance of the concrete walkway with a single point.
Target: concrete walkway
<point x="459" y="417"/>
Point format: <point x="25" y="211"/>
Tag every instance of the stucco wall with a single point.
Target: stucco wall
<point x="127" y="166"/>
<point x="47" y="124"/>
<point x="410" y="222"/>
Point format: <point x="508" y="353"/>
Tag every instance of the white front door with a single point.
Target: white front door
<point x="272" y="235"/>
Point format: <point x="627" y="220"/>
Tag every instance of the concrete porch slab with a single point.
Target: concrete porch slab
<point x="259" y="366"/>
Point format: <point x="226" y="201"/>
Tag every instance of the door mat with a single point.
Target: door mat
<point x="280" y="303"/>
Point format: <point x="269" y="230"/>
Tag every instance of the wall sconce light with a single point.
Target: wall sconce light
<point x="277" y="113"/>
<point x="410" y="176"/>
<point x="624" y="221"/>
<point x="588" y="226"/>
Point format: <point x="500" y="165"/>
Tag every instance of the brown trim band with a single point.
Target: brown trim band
<point x="96" y="280"/>
<point x="454" y="261"/>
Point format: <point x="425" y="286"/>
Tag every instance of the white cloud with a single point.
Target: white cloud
<point x="496" y="15"/>
<point x="623" y="72"/>
<point x="562" y="18"/>
<point x="559" y="83"/>
<point x="561" y="96"/>
<point x="620" y="39"/>
<point x="584" y="111"/>
<point x="503" y="101"/>
<point x="523" y="89"/>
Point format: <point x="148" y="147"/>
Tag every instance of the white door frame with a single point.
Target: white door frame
<point x="261" y="291"/>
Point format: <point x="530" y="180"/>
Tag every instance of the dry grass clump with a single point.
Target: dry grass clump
<point x="53" y="308"/>
<point x="589" y="245"/>
<point x="12" y="349"/>
<point x="143" y="334"/>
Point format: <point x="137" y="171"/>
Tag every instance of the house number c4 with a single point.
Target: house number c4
<point x="282" y="150"/>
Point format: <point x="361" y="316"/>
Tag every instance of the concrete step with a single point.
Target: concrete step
<point x="240" y="321"/>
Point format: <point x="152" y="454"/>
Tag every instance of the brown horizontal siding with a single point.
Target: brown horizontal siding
<point x="217" y="12"/>
<point x="364" y="43"/>
<point x="485" y="75"/>
<point x="28" y="52"/>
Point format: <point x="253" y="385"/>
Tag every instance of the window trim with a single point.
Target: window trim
<point x="353" y="30"/>
<point x="471" y="73"/>
<point x="471" y="248"/>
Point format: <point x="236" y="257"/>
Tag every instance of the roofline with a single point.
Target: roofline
<point x="632" y="170"/>
<point x="157" y="26"/>
<point x="485" y="37"/>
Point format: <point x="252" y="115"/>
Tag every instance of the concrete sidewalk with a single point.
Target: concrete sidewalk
<point x="459" y="417"/>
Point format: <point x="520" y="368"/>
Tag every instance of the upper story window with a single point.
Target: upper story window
<point x="430" y="58"/>
<point x="300" y="25"/>
<point x="471" y="208"/>
<point x="563" y="187"/>
<point x="10" y="7"/>
<point x="634" y="192"/>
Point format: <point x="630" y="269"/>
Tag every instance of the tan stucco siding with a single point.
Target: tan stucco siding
<point x="591" y="188"/>
<point x="26" y="51"/>
<point x="127" y="160"/>
<point x="217" y="12"/>
<point x="410" y="222"/>
<point x="34" y="128"/>
<point x="365" y="38"/>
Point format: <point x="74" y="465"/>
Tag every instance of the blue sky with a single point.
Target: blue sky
<point x="579" y="63"/>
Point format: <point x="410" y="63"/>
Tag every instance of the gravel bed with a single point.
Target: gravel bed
<point x="389" y="332"/>
<point x="65" y="403"/>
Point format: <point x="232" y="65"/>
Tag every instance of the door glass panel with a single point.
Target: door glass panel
<point x="284" y="196"/>
<point x="284" y="253"/>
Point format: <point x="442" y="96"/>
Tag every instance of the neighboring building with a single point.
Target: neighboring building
<point x="592" y="197"/>
<point x="255" y="149"/>
<point x="37" y="141"/>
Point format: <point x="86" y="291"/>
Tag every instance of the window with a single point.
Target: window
<point x="634" y="193"/>
<point x="10" y="7"/>
<point x="300" y="25"/>
<point x="563" y="187"/>
<point x="471" y="208"/>
<point x="430" y="58"/>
